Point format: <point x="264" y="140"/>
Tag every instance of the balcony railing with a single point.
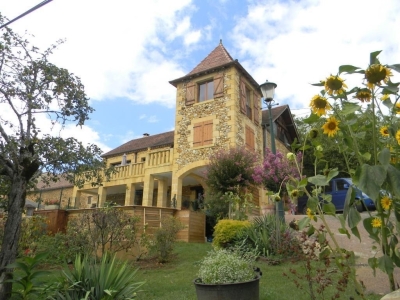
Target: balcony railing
<point x="159" y="158"/>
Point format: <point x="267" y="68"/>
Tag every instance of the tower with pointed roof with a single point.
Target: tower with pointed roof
<point x="217" y="106"/>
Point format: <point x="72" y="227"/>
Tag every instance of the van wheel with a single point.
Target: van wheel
<point x="360" y="206"/>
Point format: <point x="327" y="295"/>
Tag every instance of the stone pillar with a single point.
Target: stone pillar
<point x="102" y="195"/>
<point x="176" y="191"/>
<point x="130" y="194"/>
<point x="162" y="193"/>
<point x="148" y="190"/>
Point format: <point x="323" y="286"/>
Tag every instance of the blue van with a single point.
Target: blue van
<point x="338" y="189"/>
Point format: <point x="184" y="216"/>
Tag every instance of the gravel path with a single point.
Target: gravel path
<point x="363" y="250"/>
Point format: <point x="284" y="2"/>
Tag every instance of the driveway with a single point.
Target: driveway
<point x="363" y="251"/>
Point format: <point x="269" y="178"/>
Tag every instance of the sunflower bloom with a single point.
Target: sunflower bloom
<point x="319" y="105"/>
<point x="331" y="126"/>
<point x="310" y="213"/>
<point x="294" y="193"/>
<point x="335" y="85"/>
<point x="385" y="97"/>
<point x="386" y="202"/>
<point x="364" y="95"/>
<point x="377" y="73"/>
<point x="398" y="136"/>
<point x="376" y="222"/>
<point x="397" y="108"/>
<point x="384" y="131"/>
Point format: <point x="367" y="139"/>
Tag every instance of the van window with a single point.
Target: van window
<point x="342" y="185"/>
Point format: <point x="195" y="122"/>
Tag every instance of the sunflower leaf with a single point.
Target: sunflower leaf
<point x="348" y="69"/>
<point x="369" y="179"/>
<point x="373" y="57"/>
<point x="349" y="108"/>
<point x="395" y="67"/>
<point x="311" y="119"/>
<point x="389" y="89"/>
<point x="318" y="84"/>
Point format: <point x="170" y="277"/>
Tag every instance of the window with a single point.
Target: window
<point x="249" y="111"/>
<point x="202" y="133"/>
<point x="206" y="91"/>
<point x="89" y="200"/>
<point x="143" y="159"/>
<point x="200" y="91"/>
<point x="249" y="138"/>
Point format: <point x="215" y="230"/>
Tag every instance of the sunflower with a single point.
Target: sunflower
<point x="319" y="105"/>
<point x="313" y="133"/>
<point x="385" y="97"/>
<point x="376" y="222"/>
<point x="386" y="202"/>
<point x="397" y="108"/>
<point x="310" y="213"/>
<point x="331" y="126"/>
<point x="398" y="136"/>
<point x="334" y="85"/>
<point x="364" y="95"/>
<point x="294" y="193"/>
<point x="384" y="131"/>
<point x="376" y="73"/>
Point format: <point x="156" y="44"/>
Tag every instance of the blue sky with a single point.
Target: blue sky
<point x="126" y="51"/>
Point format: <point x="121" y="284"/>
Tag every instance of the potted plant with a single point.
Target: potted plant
<point x="51" y="204"/>
<point x="228" y="274"/>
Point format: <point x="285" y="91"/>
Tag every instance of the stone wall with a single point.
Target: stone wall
<point x="217" y="109"/>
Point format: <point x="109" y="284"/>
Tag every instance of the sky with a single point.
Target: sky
<point x="127" y="51"/>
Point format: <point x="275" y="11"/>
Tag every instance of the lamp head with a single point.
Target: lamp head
<point x="268" y="90"/>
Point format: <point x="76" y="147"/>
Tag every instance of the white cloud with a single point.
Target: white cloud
<point x="142" y="117"/>
<point x="295" y="43"/>
<point x="108" y="43"/>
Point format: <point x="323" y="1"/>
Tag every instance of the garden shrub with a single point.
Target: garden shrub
<point x="226" y="266"/>
<point x="164" y="238"/>
<point x="104" y="280"/>
<point x="268" y="237"/>
<point x="226" y="230"/>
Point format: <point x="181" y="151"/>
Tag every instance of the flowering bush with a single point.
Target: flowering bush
<point x="225" y="266"/>
<point x="371" y="111"/>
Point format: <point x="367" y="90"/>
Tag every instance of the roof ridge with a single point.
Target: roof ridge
<point x="216" y="58"/>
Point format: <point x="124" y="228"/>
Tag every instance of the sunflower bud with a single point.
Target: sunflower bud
<point x="313" y="133"/>
<point x="319" y="148"/>
<point x="290" y="156"/>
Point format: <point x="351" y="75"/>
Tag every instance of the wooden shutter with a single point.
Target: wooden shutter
<point x="242" y="96"/>
<point x="249" y="138"/>
<point x="207" y="132"/>
<point x="218" y="86"/>
<point x="198" y="134"/>
<point x="256" y="101"/>
<point x="190" y="93"/>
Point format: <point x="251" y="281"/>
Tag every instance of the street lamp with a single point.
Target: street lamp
<point x="268" y="91"/>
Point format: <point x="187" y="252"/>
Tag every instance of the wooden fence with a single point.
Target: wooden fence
<point x="152" y="217"/>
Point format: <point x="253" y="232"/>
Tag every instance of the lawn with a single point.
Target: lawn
<point x="174" y="280"/>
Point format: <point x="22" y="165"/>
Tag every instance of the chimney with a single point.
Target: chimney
<point x="146" y="134"/>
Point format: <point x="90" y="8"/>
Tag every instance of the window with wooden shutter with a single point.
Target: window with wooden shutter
<point x="242" y="97"/>
<point x="203" y="133"/>
<point x="218" y="86"/>
<point x="249" y="138"/>
<point x="249" y="107"/>
<point x="190" y="93"/>
<point x="256" y="101"/>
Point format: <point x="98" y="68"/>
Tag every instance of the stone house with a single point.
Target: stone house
<point x="218" y="105"/>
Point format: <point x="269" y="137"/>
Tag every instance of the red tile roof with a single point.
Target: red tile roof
<point x="152" y="141"/>
<point x="218" y="57"/>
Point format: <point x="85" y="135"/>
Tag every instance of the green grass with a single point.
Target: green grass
<point x="174" y="280"/>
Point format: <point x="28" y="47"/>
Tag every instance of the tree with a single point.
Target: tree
<point x="31" y="88"/>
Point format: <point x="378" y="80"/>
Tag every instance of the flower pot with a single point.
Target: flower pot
<point x="248" y="290"/>
<point x="52" y="206"/>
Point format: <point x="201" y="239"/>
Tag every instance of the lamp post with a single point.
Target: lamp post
<point x="268" y="91"/>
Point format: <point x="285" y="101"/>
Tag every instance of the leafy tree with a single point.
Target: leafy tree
<point x="229" y="171"/>
<point x="33" y="89"/>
